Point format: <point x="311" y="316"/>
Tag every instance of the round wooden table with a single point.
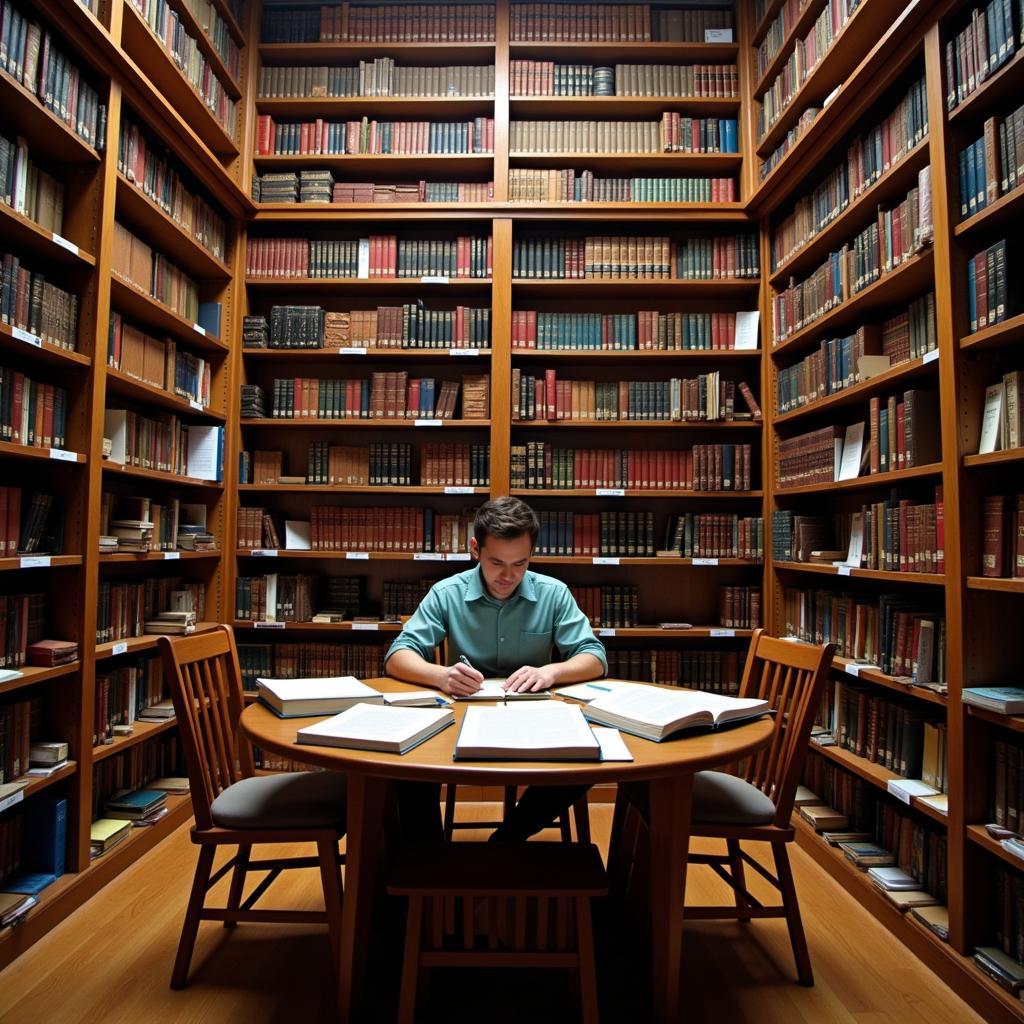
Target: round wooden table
<point x="667" y="769"/>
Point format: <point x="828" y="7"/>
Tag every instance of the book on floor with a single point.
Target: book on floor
<point x="494" y="689"/>
<point x="295" y="698"/>
<point x="377" y="727"/>
<point x="548" y="732"/>
<point x="656" y="713"/>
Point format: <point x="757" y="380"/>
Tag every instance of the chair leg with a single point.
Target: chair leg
<point x="736" y="868"/>
<point x="581" y="813"/>
<point x="508" y="803"/>
<point x="618" y="854"/>
<point x="190" y="926"/>
<point x="411" y="961"/>
<point x="450" y="791"/>
<point x="238" y="879"/>
<point x="330" y="876"/>
<point x="585" y="952"/>
<point x="565" y="827"/>
<point x="796" y="928"/>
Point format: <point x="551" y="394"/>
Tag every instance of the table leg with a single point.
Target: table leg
<point x="363" y="855"/>
<point x="669" y="820"/>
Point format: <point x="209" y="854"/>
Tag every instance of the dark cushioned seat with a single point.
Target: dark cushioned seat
<point x="726" y="800"/>
<point x="288" y="801"/>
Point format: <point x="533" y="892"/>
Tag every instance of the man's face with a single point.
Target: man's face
<point x="503" y="563"/>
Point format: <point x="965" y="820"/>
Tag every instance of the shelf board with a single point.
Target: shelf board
<point x="133" y="557"/>
<point x="853" y="395"/>
<point x="861" y="210"/>
<point x="47" y="352"/>
<point x="1015" y="723"/>
<point x="703" y="425"/>
<point x="1009" y="332"/>
<point x="470" y="53"/>
<point x="142" y="731"/>
<point x="56" y="562"/>
<point x="386" y="285"/>
<point x="631" y="164"/>
<point x="875" y="774"/>
<point x="612" y="52"/>
<point x="155" y="474"/>
<point x="898" y="684"/>
<point x="901" y="284"/>
<point x="930" y="578"/>
<point x="652" y="562"/>
<point x="51" y="138"/>
<point x="363" y="556"/>
<point x="997" y="89"/>
<point x="27" y="235"/>
<point x="353" y="489"/>
<point x="685" y="213"/>
<point x="992" y="217"/>
<point x="31" y="674"/>
<point x="37" y="784"/>
<point x="1001" y="458"/>
<point x="864" y="482"/>
<point x="632" y="492"/>
<point x="166" y="233"/>
<point x="336" y="355"/>
<point x="999" y="585"/>
<point x="590" y="107"/>
<point x="381" y="164"/>
<point x="624" y="286"/>
<point x="146" y="642"/>
<point x="976" y="834"/>
<point x="616" y="355"/>
<point x="798" y="30"/>
<point x="142" y="46"/>
<point x="353" y="107"/>
<point x="322" y="627"/>
<point x="315" y="423"/>
<point x="126" y="298"/>
<point x="123" y="384"/>
<point x="24" y="451"/>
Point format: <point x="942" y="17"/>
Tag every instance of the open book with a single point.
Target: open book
<point x="544" y="732"/>
<point x="416" y="699"/>
<point x="294" y="698"/>
<point x="656" y="713"/>
<point x="494" y="689"/>
<point x="370" y="727"/>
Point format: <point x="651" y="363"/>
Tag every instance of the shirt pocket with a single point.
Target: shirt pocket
<point x="534" y="648"/>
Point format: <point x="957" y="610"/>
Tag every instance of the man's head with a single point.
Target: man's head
<point x="504" y="533"/>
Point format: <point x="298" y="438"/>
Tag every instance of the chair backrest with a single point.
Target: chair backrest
<point x="206" y="688"/>
<point x="790" y="676"/>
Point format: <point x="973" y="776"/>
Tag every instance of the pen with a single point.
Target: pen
<point x="465" y="661"/>
<point x="594" y="686"/>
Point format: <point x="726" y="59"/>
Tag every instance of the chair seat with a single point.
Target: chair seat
<point x="722" y="799"/>
<point x="291" y="800"/>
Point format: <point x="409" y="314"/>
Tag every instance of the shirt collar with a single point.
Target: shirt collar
<point x="475" y="589"/>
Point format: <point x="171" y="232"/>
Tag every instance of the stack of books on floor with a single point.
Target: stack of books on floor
<point x="139" y="807"/>
<point x="172" y="623"/>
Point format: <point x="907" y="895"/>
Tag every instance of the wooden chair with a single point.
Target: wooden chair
<point x="498" y="905"/>
<point x="756" y="804"/>
<point x="234" y="807"/>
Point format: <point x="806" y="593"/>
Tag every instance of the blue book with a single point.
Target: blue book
<point x="46" y="835"/>
<point x="29" y="883"/>
<point x="209" y="318"/>
<point x="1005" y="700"/>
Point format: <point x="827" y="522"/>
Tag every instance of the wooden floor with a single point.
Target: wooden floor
<point x="110" y="962"/>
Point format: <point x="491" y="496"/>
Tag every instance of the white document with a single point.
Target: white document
<point x="363" y="268"/>
<point x="853" y="446"/>
<point x="494" y="689"/>
<point x="613" y="746"/>
<point x="856" y="548"/>
<point x="746" y="329"/>
<point x="298" y="535"/>
<point x="115" y="428"/>
<point x="587" y="692"/>
<point x="872" y="366"/>
<point x="204" y="447"/>
<point x="904" y="789"/>
<point x="544" y="732"/>
<point x="992" y="421"/>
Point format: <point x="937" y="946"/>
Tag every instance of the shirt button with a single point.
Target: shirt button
<point x="501" y="639"/>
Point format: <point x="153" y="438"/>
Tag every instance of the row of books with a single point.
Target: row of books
<point x="277" y="597"/>
<point x="640" y="258"/>
<point x="379" y="76"/>
<point x="837" y="363"/>
<point x="218" y="33"/>
<point x="1007" y="776"/>
<point x="124" y="694"/>
<point x="319" y="186"/>
<point x="989" y="298"/>
<point x="167" y="444"/>
<point x="612" y="606"/>
<point x="548" y="78"/>
<point x="558" y="185"/>
<point x="789" y="140"/>
<point x="22" y="622"/>
<point x="713" y="671"/>
<point x="559" y="22"/>
<point x="16" y="722"/>
<point x="26" y="524"/>
<point x="776" y="33"/>
<point x="377" y="257"/>
<point x="704" y="467"/>
<point x="33" y="847"/>
<point x="177" y="525"/>
<point x="1003" y="961"/>
<point x="715" y="535"/>
<point x="157" y="758"/>
<point x="311" y="660"/>
<point x="990" y="166"/>
<point x="868" y="157"/>
<point x="158" y="361"/>
<point x="150" y="166"/>
<point x="674" y="133"/>
<point x="1002" y="425"/>
<point x="1002" y="524"/>
<point x="985" y="43"/>
<point x="892" y="632"/>
<point x="187" y="55"/>
<point x="31" y="303"/>
<point x="136" y="262"/>
<point x="389" y="23"/>
<point x="897" y="235"/>
<point x="441" y="465"/>
<point x="739" y="607"/>
<point x="706" y="397"/>
<point x="411" y="325"/>
<point x="372" y="137"/>
<point x="27" y="189"/>
<point x="807" y="52"/>
<point x="37" y="59"/>
<point x="32" y="412"/>
<point x="402" y="597"/>
<point x="123" y="608"/>
<point x="643" y="330"/>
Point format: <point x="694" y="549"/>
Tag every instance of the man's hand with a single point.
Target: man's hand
<point x="460" y="680"/>
<point x="529" y="679"/>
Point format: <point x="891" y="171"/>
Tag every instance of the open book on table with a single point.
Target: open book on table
<point x="542" y="732"/>
<point x="373" y="727"/>
<point x="494" y="689"/>
<point x="656" y="713"/>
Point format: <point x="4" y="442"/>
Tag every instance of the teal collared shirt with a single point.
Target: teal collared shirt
<point x="500" y="636"/>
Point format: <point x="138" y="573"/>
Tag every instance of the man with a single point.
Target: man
<point x="500" y="620"/>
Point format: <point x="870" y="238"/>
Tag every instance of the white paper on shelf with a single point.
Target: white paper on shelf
<point x="120" y="648"/>
<point x="460" y="490"/>
<point x="428" y="556"/>
<point x="457" y="556"/>
<point x="747" y="322"/>
<point x="930" y="357"/>
<point x="704" y="561"/>
<point x="298" y="535"/>
<point x="427" y="422"/>
<point x="606" y="631"/>
<point x="35" y="561"/>
<point x="356" y="350"/>
<point x="64" y="243"/>
<point x="204" y="446"/>
<point x="721" y="632"/>
<point x="357" y="556"/>
<point x="172" y="556"/>
<point x="369" y="627"/>
<point x="463" y="351"/>
<point x="610" y="492"/>
<point x="264" y="552"/>
<point x="199" y="329"/>
<point x="435" y="279"/>
<point x="604" y="560"/>
<point x="30" y="339"/>
<point x="853" y="447"/>
<point x="63" y="456"/>
<point x="718" y="35"/>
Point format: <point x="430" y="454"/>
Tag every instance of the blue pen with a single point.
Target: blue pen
<point x="594" y="686"/>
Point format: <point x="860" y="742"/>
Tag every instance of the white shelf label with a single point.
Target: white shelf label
<point x="457" y="556"/>
<point x="172" y="556"/>
<point x="930" y="357"/>
<point x="435" y="279"/>
<point x="264" y="552"/>
<point x="426" y="423"/>
<point x="358" y="350"/>
<point x="268" y="625"/>
<point x="605" y="631"/>
<point x="427" y="556"/>
<point x="64" y="243"/>
<point x="604" y="560"/>
<point x="463" y="351"/>
<point x="721" y="632"/>
<point x="15" y="798"/>
<point x="357" y="556"/>
<point x="460" y="490"/>
<point x="198" y="406"/>
<point x="705" y="561"/>
<point x="35" y="562"/>
<point x="121" y="648"/>
<point x="843" y="570"/>
<point x="370" y="627"/>
<point x="63" y="456"/>
<point x="718" y="35"/>
<point x="853" y="669"/>
<point x="199" y="329"/>
<point x="610" y="492"/>
<point x="25" y="336"/>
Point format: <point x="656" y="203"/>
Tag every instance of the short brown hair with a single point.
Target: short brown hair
<point x="505" y="518"/>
